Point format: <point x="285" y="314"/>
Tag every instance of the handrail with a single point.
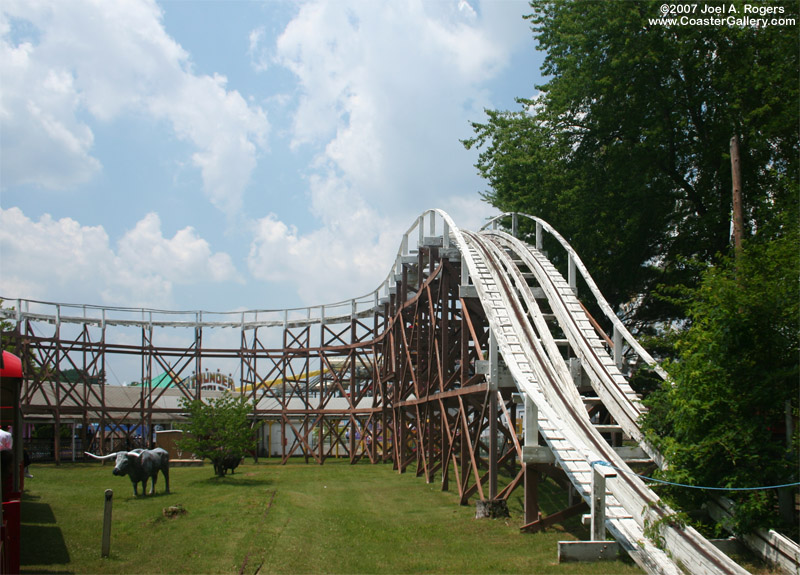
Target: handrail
<point x="330" y="313"/>
<point x="576" y="262"/>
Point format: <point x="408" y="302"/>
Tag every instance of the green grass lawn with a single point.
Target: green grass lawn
<point x="268" y="518"/>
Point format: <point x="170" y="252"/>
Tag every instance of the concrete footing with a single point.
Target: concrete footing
<point x="609" y="550"/>
<point x="587" y="551"/>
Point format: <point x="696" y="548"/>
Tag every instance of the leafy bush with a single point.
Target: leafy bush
<point x="721" y="421"/>
<point x="218" y="429"/>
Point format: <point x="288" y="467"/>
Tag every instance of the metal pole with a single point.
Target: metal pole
<point x="107" y="523"/>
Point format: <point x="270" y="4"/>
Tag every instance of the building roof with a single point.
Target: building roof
<point x="164" y="380"/>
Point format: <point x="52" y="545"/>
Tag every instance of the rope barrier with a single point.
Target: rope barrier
<point x="607" y="464"/>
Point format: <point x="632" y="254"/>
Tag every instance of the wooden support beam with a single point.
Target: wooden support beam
<point x="554" y="518"/>
<point x="531" y="503"/>
<point x="599" y="475"/>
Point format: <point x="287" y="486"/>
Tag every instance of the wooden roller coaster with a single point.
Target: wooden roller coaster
<point x="473" y="360"/>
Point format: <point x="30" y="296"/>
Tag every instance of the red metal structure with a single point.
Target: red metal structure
<point x="10" y="467"/>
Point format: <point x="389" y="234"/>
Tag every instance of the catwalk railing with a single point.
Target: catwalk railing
<point x="473" y="363"/>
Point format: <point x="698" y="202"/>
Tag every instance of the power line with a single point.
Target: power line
<point x="607" y="464"/>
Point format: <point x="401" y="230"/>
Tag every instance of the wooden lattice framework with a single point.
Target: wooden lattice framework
<point x="428" y="376"/>
<point x="403" y="382"/>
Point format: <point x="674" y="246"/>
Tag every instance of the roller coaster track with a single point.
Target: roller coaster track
<point x="420" y="371"/>
<point x="533" y="358"/>
<point x="609" y="383"/>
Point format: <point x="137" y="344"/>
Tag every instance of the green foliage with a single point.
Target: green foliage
<point x="218" y="428"/>
<point x="652" y="528"/>
<point x="6" y="326"/>
<point x="735" y="369"/>
<point x="626" y="151"/>
<point x="45" y="431"/>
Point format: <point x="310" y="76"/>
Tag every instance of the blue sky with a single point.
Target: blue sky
<point x="239" y="154"/>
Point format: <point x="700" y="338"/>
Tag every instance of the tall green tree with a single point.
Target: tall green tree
<point x="721" y="421"/>
<point x="626" y="149"/>
<point x="218" y="428"/>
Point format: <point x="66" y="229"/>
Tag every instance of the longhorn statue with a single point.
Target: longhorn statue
<point x="139" y="465"/>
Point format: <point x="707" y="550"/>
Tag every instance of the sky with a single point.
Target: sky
<point x="231" y="155"/>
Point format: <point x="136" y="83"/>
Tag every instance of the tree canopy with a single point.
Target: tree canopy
<point x="626" y="149"/>
<point x="721" y="421"/>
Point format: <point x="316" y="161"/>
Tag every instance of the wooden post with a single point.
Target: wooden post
<point x="493" y="455"/>
<point x="531" y="483"/>
<point x="736" y="176"/>
<point x="599" y="475"/>
<point x="494" y="360"/>
<point x="107" y="523"/>
<point x="57" y="437"/>
<point x="572" y="276"/>
<point x="531" y="438"/>
<point x="786" y="505"/>
<point x="618" y="356"/>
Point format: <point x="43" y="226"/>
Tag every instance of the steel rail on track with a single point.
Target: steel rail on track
<point x="606" y="379"/>
<point x="575" y="260"/>
<point x="608" y="382"/>
<point x="686" y="545"/>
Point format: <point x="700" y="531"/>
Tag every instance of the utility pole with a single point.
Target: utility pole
<point x="736" y="173"/>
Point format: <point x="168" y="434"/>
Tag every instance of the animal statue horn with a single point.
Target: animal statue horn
<point x="140" y="465"/>
<point x="101" y="457"/>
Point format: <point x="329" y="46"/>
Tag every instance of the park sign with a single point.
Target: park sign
<point x="207" y="380"/>
<point x="212" y="381"/>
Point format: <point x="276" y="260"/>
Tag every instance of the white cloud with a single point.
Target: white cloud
<point x="329" y="264"/>
<point x="382" y="94"/>
<point x="385" y="92"/>
<point x="183" y="259"/>
<point x="66" y="65"/>
<point x="58" y="260"/>
<point x="223" y="127"/>
<point x="39" y="255"/>
<point x="465" y="8"/>
<point x="256" y="50"/>
<point x="38" y="120"/>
